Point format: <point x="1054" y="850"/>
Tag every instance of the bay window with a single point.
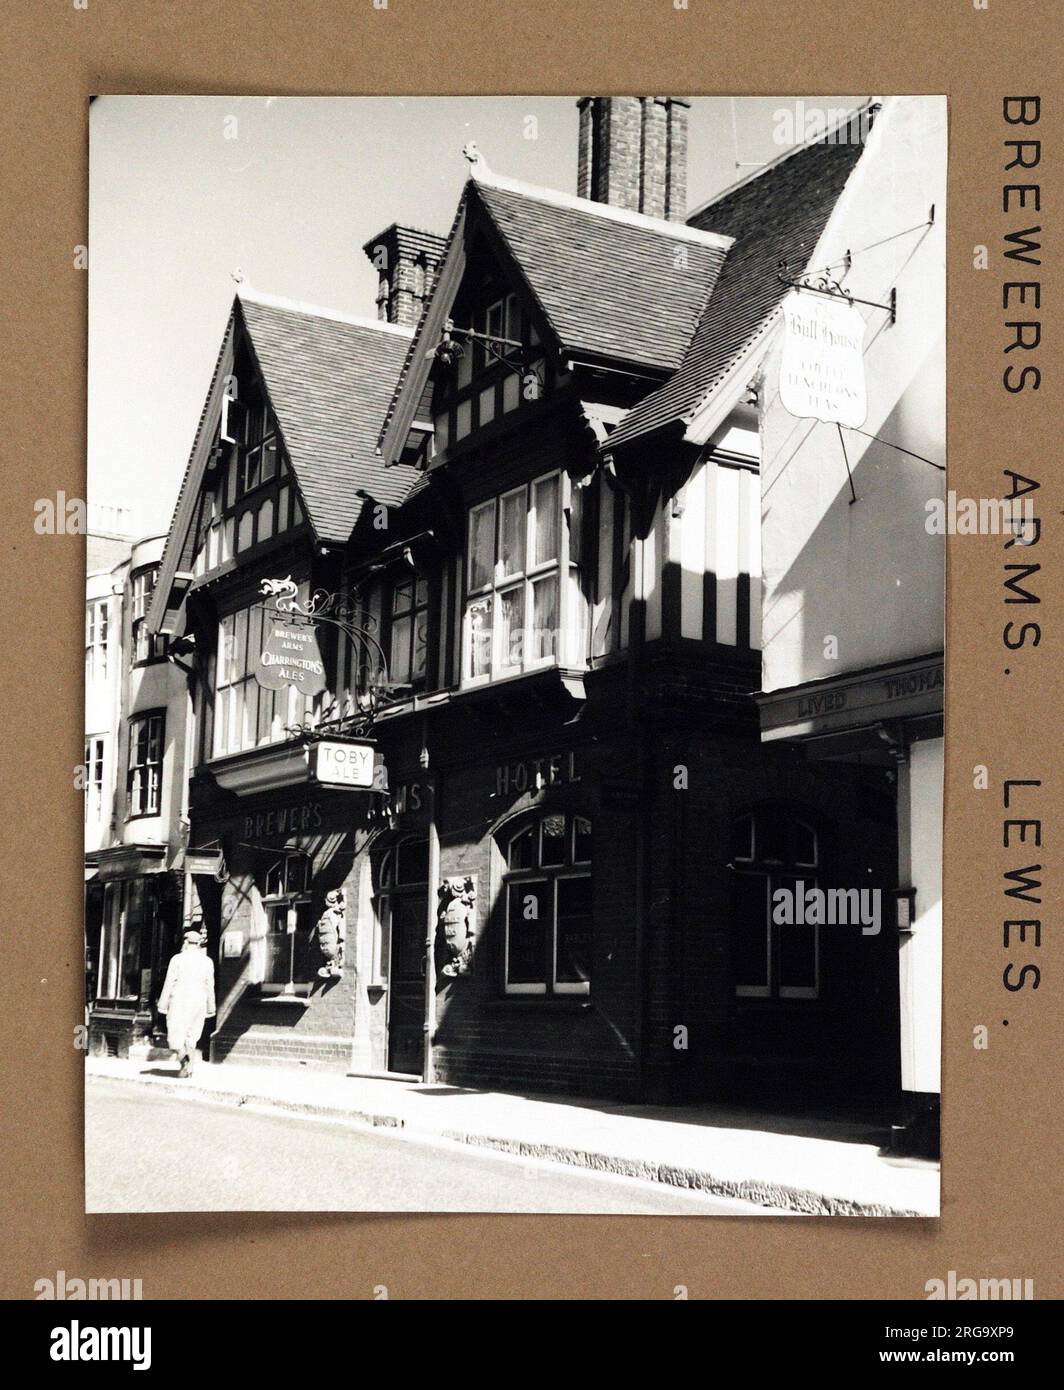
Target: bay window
<point x="146" y="764"/>
<point x="143" y="646"/>
<point x="524" y="605"/>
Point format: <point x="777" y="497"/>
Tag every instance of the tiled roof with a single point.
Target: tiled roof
<point x="330" y="381"/>
<point x="777" y="215"/>
<point x="620" y="286"/>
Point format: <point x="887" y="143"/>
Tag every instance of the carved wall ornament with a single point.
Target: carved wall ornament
<point x="456" y="925"/>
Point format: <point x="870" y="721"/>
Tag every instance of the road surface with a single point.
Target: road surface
<point x="146" y="1152"/>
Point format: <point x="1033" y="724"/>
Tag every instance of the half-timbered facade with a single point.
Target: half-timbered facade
<point x="554" y="620"/>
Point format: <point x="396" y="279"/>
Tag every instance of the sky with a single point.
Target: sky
<point x="185" y="193"/>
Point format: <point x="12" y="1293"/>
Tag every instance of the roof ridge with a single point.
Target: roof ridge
<point x="298" y="306"/>
<point x="821" y="139"/>
<point x="680" y="231"/>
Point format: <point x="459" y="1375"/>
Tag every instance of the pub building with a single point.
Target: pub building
<point x="541" y="659"/>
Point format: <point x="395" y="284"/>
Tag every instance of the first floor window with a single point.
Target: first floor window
<point x="524" y="603"/>
<point x="774" y="852"/>
<point x="409" y="636"/>
<point x="97" y="638"/>
<point x="145" y="764"/>
<point x="547" y="906"/>
<point x="95" y="746"/>
<point x="245" y="714"/>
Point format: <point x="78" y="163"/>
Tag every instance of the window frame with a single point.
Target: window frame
<point x="502" y="583"/>
<point x="419" y="607"/>
<point x="140" y="597"/>
<point x="153" y="805"/>
<point x="232" y="517"/>
<point x="458" y="411"/>
<point x="549" y="876"/>
<point x="773" y="871"/>
<point x="114" y="929"/>
<point x="290" y="899"/>
<point x="94" y="787"/>
<point x="97" y="639"/>
<point x="287" y="707"/>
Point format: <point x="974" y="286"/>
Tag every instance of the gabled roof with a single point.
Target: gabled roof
<point x="329" y="378"/>
<point x="612" y="284"/>
<point x="777" y="214"/>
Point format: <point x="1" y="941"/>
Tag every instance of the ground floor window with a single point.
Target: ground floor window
<point x="773" y="850"/>
<point x="130" y="911"/>
<point x="547" y="906"/>
<point x="289" y="927"/>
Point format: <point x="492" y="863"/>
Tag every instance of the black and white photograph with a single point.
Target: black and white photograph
<point x="514" y="642"/>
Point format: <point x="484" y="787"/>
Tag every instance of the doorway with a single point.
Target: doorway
<point x="289" y="925"/>
<point x="401" y="903"/>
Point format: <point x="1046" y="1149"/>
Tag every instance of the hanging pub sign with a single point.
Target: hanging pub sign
<point x="822" y="373"/>
<point x="337" y="763"/>
<point x="290" y="654"/>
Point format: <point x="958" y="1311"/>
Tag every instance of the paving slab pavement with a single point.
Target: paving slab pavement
<point x="809" y="1165"/>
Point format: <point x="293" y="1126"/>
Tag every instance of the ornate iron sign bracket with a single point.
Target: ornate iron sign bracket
<point x="371" y="666"/>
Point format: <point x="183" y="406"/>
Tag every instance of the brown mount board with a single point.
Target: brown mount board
<point x="1001" y="1205"/>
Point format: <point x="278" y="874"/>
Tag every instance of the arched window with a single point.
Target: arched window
<point x="546" y="899"/>
<point x="775" y="855"/>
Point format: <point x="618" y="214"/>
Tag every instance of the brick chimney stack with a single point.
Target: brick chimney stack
<point x="407" y="261"/>
<point x="633" y="154"/>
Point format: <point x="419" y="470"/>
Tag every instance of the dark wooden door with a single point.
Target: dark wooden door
<point x="406" y="984"/>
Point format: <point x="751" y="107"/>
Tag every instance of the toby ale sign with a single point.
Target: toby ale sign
<point x="341" y="764"/>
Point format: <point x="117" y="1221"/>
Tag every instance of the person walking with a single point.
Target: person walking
<point x="187" y="999"/>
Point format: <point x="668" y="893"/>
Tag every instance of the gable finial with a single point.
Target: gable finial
<point x="478" y="165"/>
<point x="237" y="274"/>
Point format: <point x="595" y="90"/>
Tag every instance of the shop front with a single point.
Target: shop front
<point x="280" y="896"/>
<point x="892" y="715"/>
<point x="132" y="923"/>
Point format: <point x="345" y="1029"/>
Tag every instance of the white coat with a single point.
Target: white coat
<point x="187" y="999"/>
